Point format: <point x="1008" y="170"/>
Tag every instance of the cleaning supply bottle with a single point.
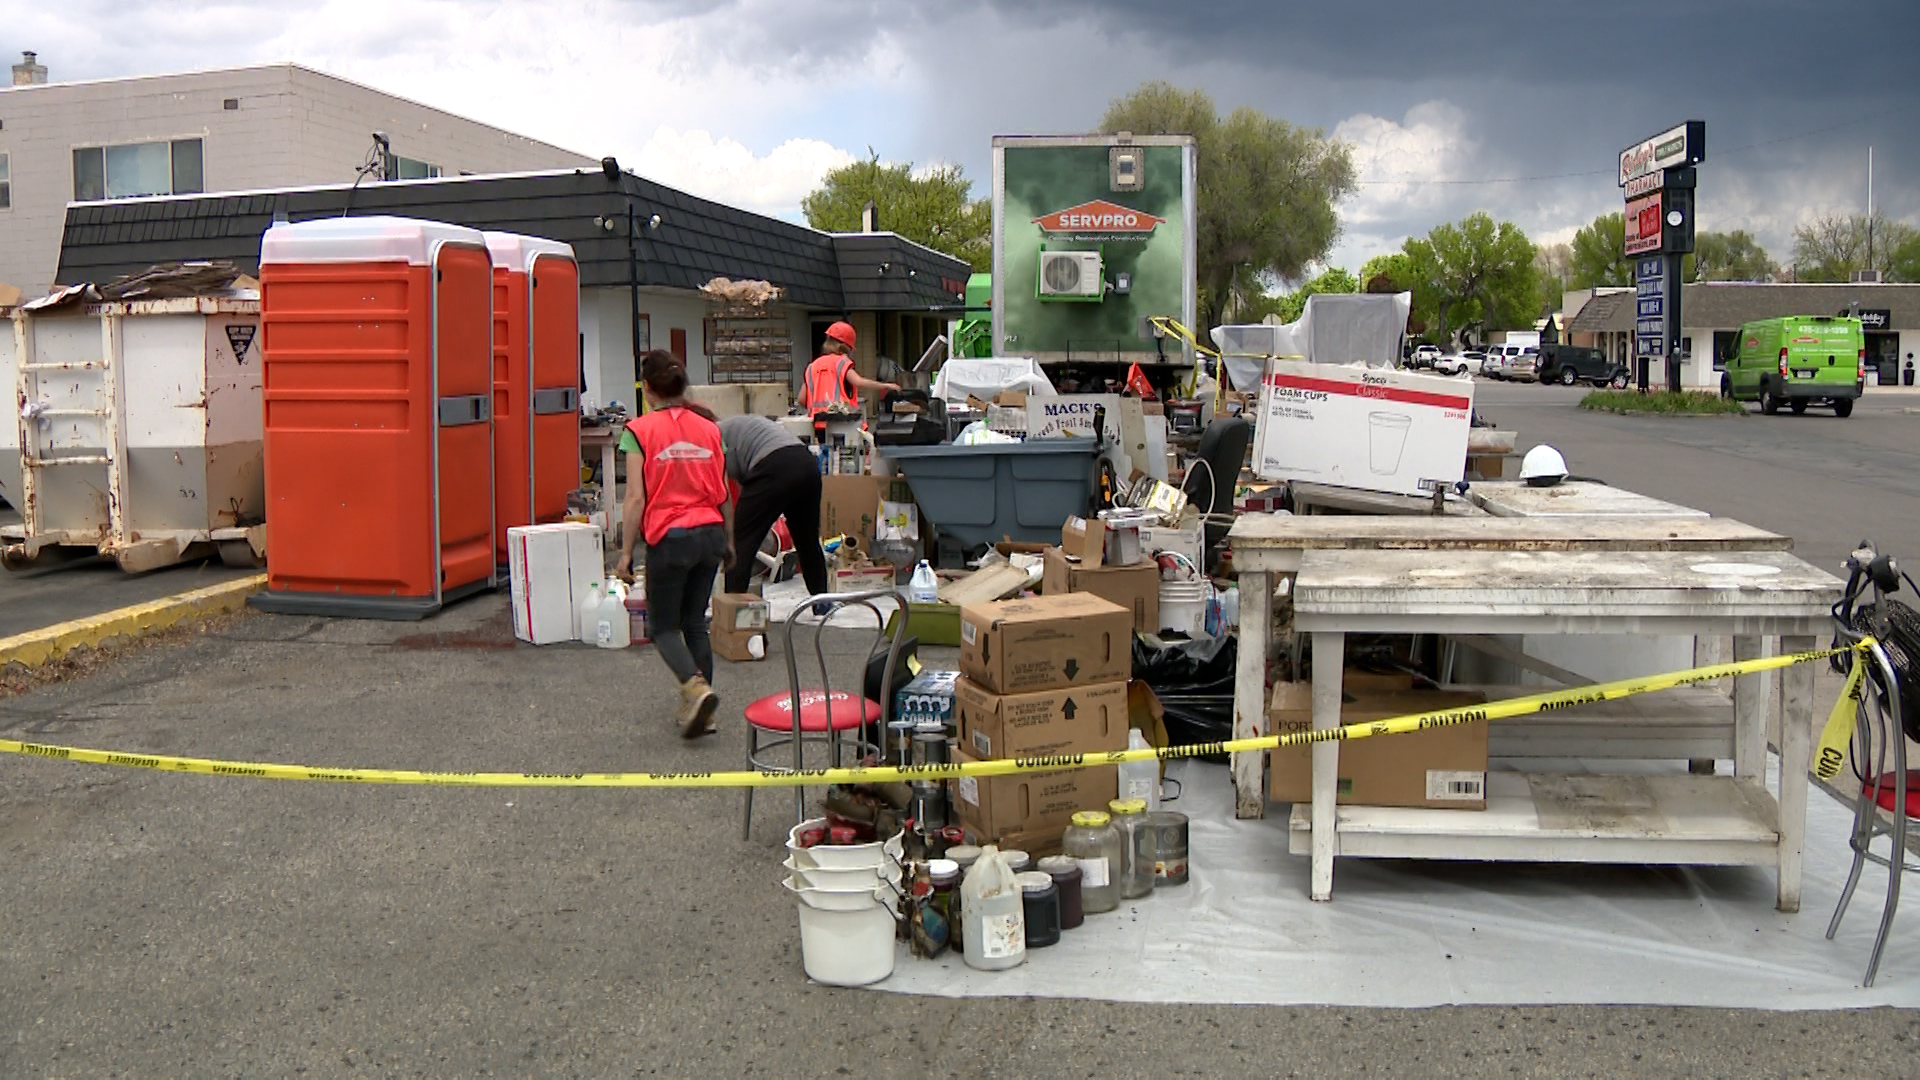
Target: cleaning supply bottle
<point x="586" y="618"/>
<point x="993" y="914"/>
<point x="611" y="628"/>
<point x="1140" y="779"/>
<point x="923" y="587"/>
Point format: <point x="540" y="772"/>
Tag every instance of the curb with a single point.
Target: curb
<point x="36" y="647"/>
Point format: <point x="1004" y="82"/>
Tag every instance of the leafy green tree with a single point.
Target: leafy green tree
<point x="935" y="208"/>
<point x="1832" y="247"/>
<point x="1555" y="264"/>
<point x="1734" y="256"/>
<point x="1332" y="280"/>
<point x="1267" y="190"/>
<point x="1599" y="256"/>
<point x="1472" y="277"/>
<point x="1904" y="263"/>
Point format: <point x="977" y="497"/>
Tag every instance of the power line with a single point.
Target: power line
<point x="1609" y="172"/>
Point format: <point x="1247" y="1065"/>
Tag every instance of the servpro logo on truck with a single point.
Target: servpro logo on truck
<point x="1098" y="216"/>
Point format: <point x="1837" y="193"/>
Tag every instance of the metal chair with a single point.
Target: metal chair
<point x="835" y="719"/>
<point x="1889" y="792"/>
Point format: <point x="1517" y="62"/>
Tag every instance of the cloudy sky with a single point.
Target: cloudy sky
<point x="1514" y="107"/>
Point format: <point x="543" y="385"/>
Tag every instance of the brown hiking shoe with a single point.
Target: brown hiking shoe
<point x="698" y="703"/>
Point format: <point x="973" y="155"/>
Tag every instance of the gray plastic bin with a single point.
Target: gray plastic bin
<point x="982" y="494"/>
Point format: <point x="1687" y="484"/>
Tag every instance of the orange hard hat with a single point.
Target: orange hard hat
<point x="842" y="333"/>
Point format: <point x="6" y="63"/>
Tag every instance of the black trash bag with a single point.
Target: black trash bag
<point x="1194" y="682"/>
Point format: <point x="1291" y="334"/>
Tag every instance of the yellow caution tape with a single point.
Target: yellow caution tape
<point x="1493" y="710"/>
<point x="1832" y="751"/>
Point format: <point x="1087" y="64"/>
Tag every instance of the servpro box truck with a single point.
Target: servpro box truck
<point x="1093" y="235"/>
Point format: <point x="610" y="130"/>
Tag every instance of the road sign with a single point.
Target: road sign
<point x="1683" y="145"/>
<point x="1650" y="307"/>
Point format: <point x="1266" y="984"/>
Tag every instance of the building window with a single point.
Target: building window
<point x="131" y="170"/>
<point x="6" y="184"/>
<point x="406" y="168"/>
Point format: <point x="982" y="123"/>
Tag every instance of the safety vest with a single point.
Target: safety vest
<point x="826" y="384"/>
<point x="684" y="468"/>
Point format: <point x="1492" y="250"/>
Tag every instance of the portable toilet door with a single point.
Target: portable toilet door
<point x="536" y="395"/>
<point x="376" y="343"/>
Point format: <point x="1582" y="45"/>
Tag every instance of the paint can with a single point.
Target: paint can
<point x="1170" y="848"/>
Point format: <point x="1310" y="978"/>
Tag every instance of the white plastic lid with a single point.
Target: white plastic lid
<point x="1033" y="881"/>
<point x="517" y="252"/>
<point x="362" y="239"/>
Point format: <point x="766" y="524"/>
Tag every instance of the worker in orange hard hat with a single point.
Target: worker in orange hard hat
<point x="831" y="380"/>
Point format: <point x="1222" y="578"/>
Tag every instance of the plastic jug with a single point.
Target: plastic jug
<point x="1140" y="779"/>
<point x="589" y="612"/>
<point x="611" y="628"/>
<point x="993" y="914"/>
<point x="923" y="587"/>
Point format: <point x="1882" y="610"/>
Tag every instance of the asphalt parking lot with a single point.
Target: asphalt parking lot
<point x="164" y="925"/>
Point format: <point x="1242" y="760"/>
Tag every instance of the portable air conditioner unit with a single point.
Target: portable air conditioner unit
<point x="1074" y="274"/>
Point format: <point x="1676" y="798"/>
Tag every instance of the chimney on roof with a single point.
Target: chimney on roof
<point x="27" y="72"/>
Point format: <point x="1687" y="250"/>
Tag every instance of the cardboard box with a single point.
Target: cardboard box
<point x="738" y="646"/>
<point x="1030" y="802"/>
<point x="929" y="696"/>
<point x="550" y="569"/>
<point x="1443" y="768"/>
<point x="1076" y="720"/>
<point x="739" y="611"/>
<point x="1085" y="540"/>
<point x="850" y="505"/>
<point x="1190" y="542"/>
<point x="1046" y="642"/>
<point x="866" y="577"/>
<point x="1136" y="587"/>
<point x="1369" y="428"/>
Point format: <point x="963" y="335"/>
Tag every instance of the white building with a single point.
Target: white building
<point x="238" y="129"/>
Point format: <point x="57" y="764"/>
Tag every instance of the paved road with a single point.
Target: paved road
<point x="1824" y="481"/>
<point x="161" y="925"/>
<point x="31" y="599"/>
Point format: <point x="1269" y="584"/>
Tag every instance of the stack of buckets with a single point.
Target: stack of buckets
<point x="847" y="895"/>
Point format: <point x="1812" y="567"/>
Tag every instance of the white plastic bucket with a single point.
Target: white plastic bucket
<point x="842" y="856"/>
<point x="818" y="877"/>
<point x="846" y="936"/>
<point x="1183" y="606"/>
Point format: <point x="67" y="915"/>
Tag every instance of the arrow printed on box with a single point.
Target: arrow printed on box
<point x="1068" y="708"/>
<point x="1072" y="668"/>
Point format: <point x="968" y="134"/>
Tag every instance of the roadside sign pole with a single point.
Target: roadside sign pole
<point x="1657" y="177"/>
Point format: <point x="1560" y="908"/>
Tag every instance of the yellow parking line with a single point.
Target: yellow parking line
<point x="37" y="647"/>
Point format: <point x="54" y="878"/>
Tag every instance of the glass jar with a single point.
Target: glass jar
<point x="1137" y="847"/>
<point x="1093" y="843"/>
<point x="944" y="876"/>
<point x="1018" y="861"/>
<point x="1040" y="900"/>
<point x="1065" y="873"/>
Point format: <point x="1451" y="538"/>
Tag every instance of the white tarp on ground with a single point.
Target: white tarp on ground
<point x="1335" y="328"/>
<point x="1418" y="934"/>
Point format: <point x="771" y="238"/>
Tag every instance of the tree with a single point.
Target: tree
<point x="1472" y="277"/>
<point x="1734" y="256"/>
<point x="1389" y="273"/>
<point x="1554" y="262"/>
<point x="1332" y="280"/>
<point x="1267" y="190"/>
<point x="1833" y="246"/>
<point x="1599" y="254"/>
<point x="934" y="208"/>
<point x="1904" y="264"/>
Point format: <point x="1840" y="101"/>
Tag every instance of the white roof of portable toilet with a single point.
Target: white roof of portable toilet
<point x="363" y="239"/>
<point x="517" y="252"/>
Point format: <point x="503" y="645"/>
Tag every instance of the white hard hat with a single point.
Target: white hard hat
<point x="1543" y="467"/>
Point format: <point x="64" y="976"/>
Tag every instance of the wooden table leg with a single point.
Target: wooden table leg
<point x="1329" y="654"/>
<point x="1250" y="692"/>
<point x="1796" y="749"/>
<point x="1750" y="693"/>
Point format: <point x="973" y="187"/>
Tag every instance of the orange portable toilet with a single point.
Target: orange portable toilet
<point x="376" y="338"/>
<point x="536" y="382"/>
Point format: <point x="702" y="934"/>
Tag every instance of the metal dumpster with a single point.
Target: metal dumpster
<point x="1019" y="491"/>
<point x="135" y="432"/>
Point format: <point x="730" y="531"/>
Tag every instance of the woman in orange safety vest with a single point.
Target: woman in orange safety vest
<point x="831" y="379"/>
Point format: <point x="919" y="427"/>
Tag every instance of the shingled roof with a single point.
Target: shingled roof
<point x="1729" y="304"/>
<point x="695" y="240"/>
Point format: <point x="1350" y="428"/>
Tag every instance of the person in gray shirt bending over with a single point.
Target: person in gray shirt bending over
<point x="778" y="476"/>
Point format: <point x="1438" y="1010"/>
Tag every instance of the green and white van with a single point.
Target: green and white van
<point x="1798" y="360"/>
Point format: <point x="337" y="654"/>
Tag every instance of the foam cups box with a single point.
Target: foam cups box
<point x="1046" y="642"/>
<point x="1370" y="428"/>
<point x="550" y="569"/>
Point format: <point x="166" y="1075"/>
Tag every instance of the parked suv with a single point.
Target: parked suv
<point x="1499" y="362"/>
<point x="1798" y="360"/>
<point x="1424" y="356"/>
<point x="1569" y="365"/>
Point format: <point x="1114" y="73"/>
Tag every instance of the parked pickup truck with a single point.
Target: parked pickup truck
<point x="1569" y="365"/>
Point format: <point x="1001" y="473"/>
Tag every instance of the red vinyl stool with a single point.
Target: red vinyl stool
<point x="820" y="714"/>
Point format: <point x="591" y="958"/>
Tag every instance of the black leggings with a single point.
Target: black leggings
<point x="680" y="570"/>
<point x="787" y="482"/>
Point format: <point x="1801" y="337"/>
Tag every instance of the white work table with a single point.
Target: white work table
<point x="1685" y="574"/>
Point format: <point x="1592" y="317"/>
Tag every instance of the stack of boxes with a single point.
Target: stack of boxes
<point x="739" y="627"/>
<point x="1040" y="676"/>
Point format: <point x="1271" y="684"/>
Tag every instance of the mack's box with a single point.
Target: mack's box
<point x="1443" y="768"/>
<point x="928" y="696"/>
<point x="550" y="569"/>
<point x="1369" y="428"/>
<point x="1136" y="587"/>
<point x="1030" y="802"/>
<point x="1076" y="720"/>
<point x="1046" y="642"/>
